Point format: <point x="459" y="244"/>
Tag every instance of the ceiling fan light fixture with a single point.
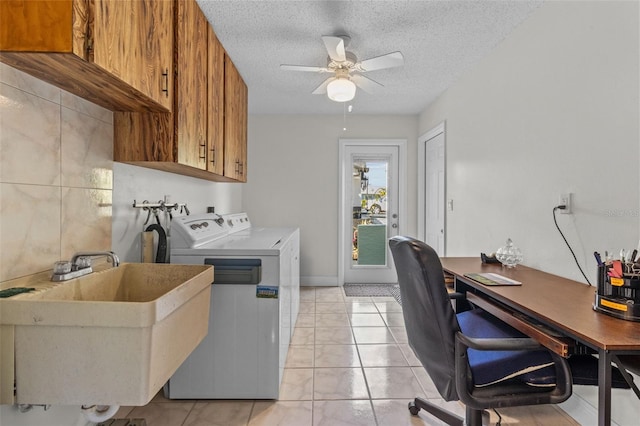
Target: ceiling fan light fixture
<point x="341" y="90"/>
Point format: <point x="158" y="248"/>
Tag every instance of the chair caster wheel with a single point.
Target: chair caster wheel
<point x="413" y="409"/>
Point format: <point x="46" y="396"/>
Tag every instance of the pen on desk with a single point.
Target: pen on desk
<point x="634" y="253"/>
<point x="623" y="255"/>
<point x="598" y="258"/>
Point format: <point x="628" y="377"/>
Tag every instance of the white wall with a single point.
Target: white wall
<point x="554" y="108"/>
<point x="293" y="179"/>
<point x="138" y="183"/>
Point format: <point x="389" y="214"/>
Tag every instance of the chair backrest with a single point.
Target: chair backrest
<point x="428" y="314"/>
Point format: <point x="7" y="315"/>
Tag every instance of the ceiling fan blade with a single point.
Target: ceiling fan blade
<point x="335" y="47"/>
<point x="365" y="83"/>
<point x="304" y="68"/>
<point x="322" y="89"/>
<point x="390" y="60"/>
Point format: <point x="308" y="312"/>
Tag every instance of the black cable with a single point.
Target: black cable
<point x="567" y="242"/>
<point x="499" y="422"/>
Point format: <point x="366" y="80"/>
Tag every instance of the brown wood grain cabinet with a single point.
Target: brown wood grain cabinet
<point x="215" y="112"/>
<point x="208" y="123"/>
<point x="191" y="83"/>
<point x="115" y="53"/>
<point x="235" y="122"/>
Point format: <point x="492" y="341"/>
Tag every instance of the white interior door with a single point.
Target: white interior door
<point x="370" y="211"/>
<point x="435" y="193"/>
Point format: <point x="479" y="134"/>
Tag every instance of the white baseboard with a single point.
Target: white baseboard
<point x="318" y="281"/>
<point x="582" y="411"/>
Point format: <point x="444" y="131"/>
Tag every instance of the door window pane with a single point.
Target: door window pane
<point x="369" y="201"/>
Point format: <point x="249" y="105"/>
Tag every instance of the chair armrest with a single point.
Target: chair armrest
<point x="457" y="296"/>
<point x="510" y="344"/>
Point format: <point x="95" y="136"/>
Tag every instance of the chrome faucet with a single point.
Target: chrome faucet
<point x="115" y="261"/>
<point x="80" y="265"/>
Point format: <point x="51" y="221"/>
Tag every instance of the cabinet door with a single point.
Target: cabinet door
<point x="235" y="123"/>
<point x="133" y="40"/>
<point x="36" y="26"/>
<point x="191" y="85"/>
<point x="215" y="130"/>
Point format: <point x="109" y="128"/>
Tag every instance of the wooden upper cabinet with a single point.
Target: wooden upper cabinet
<point x="206" y="134"/>
<point x="36" y="26"/>
<point x="215" y="130"/>
<point x="191" y="84"/>
<point x="133" y="40"/>
<point x="235" y="123"/>
<point x="115" y="53"/>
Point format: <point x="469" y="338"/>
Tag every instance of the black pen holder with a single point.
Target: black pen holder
<point x="619" y="297"/>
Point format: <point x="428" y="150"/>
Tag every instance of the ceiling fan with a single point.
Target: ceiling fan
<point x="346" y="70"/>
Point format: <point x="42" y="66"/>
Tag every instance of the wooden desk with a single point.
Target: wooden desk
<point x="563" y="305"/>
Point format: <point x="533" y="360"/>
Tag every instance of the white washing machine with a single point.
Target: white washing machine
<point x="255" y="300"/>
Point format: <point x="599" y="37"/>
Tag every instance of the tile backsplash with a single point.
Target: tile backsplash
<point x="56" y="175"/>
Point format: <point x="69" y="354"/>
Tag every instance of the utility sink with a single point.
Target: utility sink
<point x="111" y="337"/>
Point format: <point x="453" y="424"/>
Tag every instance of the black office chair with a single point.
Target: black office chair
<point x="472" y="356"/>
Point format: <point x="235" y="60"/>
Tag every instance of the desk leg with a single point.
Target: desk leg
<point x="604" y="388"/>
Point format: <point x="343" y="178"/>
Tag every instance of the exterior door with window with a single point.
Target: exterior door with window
<point x="370" y="210"/>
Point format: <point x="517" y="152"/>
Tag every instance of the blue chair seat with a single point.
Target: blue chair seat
<point x="535" y="368"/>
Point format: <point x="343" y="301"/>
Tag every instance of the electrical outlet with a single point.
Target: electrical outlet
<point x="565" y="200"/>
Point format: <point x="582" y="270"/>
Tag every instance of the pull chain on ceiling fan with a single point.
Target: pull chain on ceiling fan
<point x="346" y="70"/>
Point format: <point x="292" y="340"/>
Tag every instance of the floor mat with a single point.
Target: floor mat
<point x="395" y="292"/>
<point x="372" y="290"/>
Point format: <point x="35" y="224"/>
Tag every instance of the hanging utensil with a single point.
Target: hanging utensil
<point x="161" y="254"/>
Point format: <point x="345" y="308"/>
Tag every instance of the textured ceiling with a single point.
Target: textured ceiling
<point x="439" y="40"/>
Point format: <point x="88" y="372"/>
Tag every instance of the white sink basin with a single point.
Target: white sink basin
<point x="111" y="337"/>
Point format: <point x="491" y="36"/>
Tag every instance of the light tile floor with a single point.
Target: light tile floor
<point x="348" y="364"/>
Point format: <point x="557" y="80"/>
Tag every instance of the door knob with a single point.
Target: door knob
<point x="395" y="225"/>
